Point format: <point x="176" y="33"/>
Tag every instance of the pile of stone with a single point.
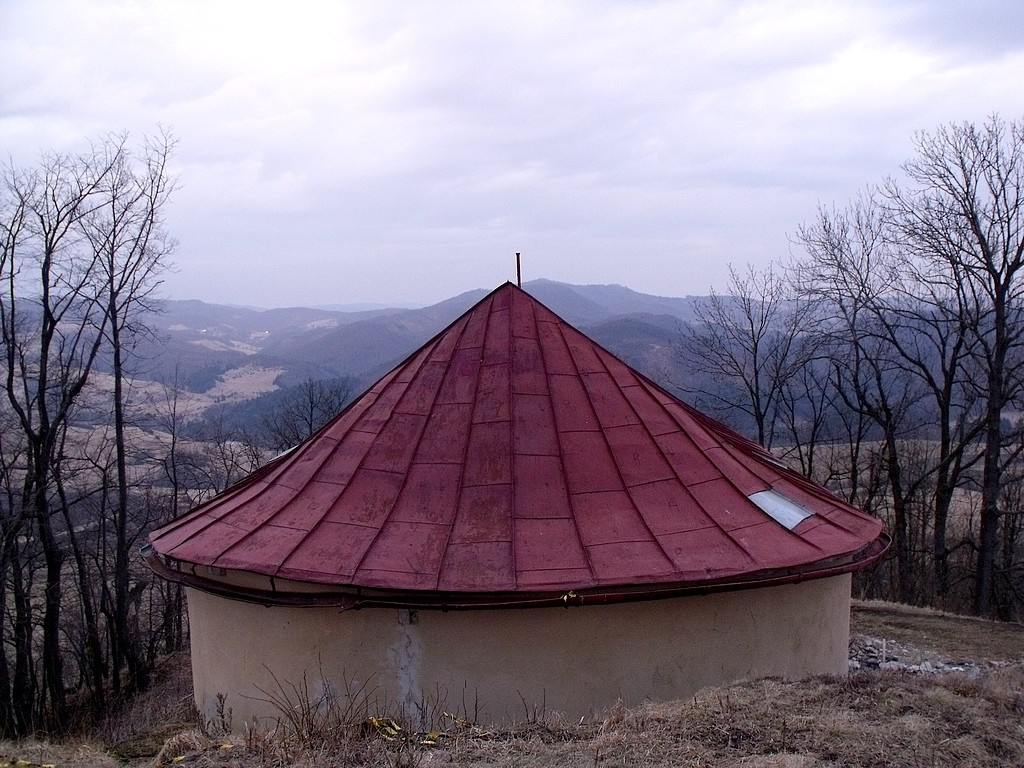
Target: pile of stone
<point x="879" y="653"/>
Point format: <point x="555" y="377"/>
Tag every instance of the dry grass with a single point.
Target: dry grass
<point x="957" y="638"/>
<point x="868" y="719"/>
<point x="140" y="729"/>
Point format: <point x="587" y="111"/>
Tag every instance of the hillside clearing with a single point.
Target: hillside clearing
<point x="938" y="634"/>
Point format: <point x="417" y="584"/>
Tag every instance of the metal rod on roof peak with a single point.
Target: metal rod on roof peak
<point x="519" y="272"/>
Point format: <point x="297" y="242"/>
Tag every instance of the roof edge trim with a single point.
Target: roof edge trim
<point x="356" y="598"/>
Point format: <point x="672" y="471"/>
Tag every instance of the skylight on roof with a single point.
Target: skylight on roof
<point x="784" y="511"/>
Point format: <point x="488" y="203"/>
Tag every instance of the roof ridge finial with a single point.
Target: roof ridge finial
<point x="519" y="272"/>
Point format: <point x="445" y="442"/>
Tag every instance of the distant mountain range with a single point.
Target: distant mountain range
<point x="235" y="354"/>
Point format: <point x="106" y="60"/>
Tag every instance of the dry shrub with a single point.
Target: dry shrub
<point x="869" y="720"/>
<point x="185" y="744"/>
<point x="774" y="761"/>
<point x="139" y="728"/>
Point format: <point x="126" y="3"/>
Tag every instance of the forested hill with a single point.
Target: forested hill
<point x="208" y="345"/>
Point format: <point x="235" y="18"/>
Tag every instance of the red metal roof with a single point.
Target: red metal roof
<point x="511" y="455"/>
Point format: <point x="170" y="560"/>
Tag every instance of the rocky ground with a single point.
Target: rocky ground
<point x="880" y="653"/>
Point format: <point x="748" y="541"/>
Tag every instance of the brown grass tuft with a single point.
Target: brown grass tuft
<point x="869" y="719"/>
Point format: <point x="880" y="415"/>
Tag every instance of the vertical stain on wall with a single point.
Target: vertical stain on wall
<point x="405" y="654"/>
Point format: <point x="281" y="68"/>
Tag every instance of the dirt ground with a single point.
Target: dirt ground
<point x="957" y="638"/>
<point x="871" y="718"/>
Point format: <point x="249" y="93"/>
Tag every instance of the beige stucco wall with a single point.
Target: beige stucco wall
<point x="487" y="663"/>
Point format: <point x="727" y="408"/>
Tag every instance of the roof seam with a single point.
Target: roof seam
<point x="392" y="380"/>
<point x="465" y="446"/>
<point x="389" y="378"/>
<point x="419" y="440"/>
<point x="513" y="296"/>
<point x="707" y="512"/>
<point x="604" y="432"/>
<point x="612" y="543"/>
<point x="558" y="438"/>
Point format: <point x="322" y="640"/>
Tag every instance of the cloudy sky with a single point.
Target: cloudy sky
<point x="402" y="152"/>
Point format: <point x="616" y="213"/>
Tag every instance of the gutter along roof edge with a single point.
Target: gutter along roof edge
<point x="359" y="598"/>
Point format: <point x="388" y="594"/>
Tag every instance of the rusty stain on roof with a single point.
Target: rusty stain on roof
<point x="513" y="455"/>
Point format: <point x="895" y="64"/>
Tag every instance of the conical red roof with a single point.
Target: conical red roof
<point x="511" y="458"/>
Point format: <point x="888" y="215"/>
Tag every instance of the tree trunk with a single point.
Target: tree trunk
<point x="55" y="706"/>
<point x="125" y="651"/>
<point x="988" y="540"/>
<point x="23" y="688"/>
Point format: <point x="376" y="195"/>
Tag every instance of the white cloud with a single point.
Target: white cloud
<point x="403" y="151"/>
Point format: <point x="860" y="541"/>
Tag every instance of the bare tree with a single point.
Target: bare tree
<point x="126" y="235"/>
<point x="929" y="270"/>
<point x="909" y="338"/>
<point x="842" y="273"/>
<point x="313" y="404"/>
<point x="961" y="212"/>
<point x="749" y="342"/>
<point x="79" y="237"/>
<point x="13" y="684"/>
<point x="52" y="329"/>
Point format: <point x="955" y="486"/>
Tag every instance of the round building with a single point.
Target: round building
<point x="514" y="521"/>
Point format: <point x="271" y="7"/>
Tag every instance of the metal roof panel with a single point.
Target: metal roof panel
<point x="589" y="465"/>
<point x="533" y="426"/>
<point x="540" y="489"/>
<point x="335" y="549"/>
<point x="267" y="540"/>
<point x="512" y="453"/>
<point x="430" y="494"/>
<point x="667" y="507"/>
<point x="706" y="553"/>
<point x="536" y="539"/>
<point x="368" y="499"/>
<point x="484" y="514"/>
<point x="638" y="457"/>
<point x="608" y="517"/>
<point x="489" y="455"/>
<point x="396" y="443"/>
<point x="404" y="547"/>
<point x="571" y="405"/>
<point x="478" y="566"/>
<point x="444" y="437"/>
<point x="492" y="394"/>
<point x="460" y="380"/>
<point x="630" y="561"/>
<point x="610" y="405"/>
<point x="557" y="359"/>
